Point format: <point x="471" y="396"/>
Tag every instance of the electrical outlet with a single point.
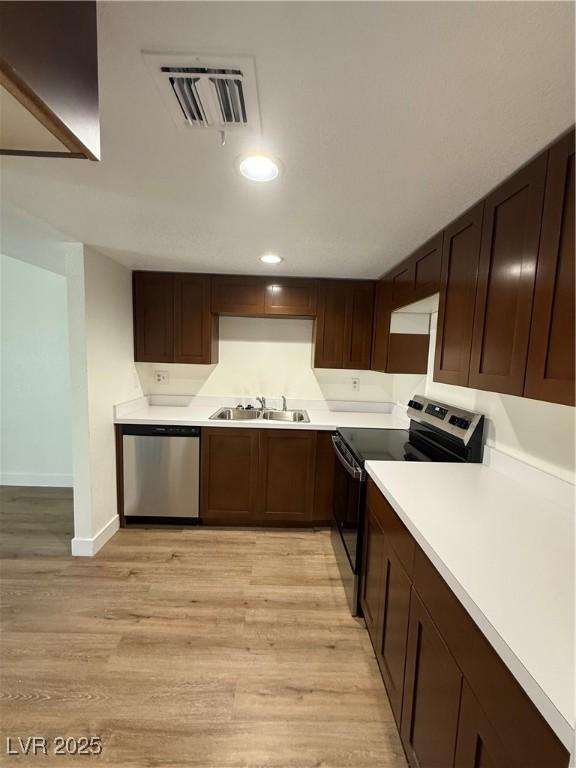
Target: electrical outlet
<point x="355" y="384"/>
<point x="161" y="377"/>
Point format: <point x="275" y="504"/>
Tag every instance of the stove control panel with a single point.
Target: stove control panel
<point x="455" y="421"/>
<point x="459" y="421"/>
<point x="437" y="411"/>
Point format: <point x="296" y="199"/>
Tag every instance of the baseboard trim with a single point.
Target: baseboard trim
<point x="42" y="480"/>
<point x="89" y="547"/>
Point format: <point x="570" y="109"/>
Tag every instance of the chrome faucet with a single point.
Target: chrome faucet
<point x="284" y="408"/>
<point x="262" y="401"/>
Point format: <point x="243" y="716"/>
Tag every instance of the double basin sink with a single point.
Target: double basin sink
<point x="256" y="414"/>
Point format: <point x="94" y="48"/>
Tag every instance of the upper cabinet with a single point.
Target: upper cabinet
<point x="506" y="314"/>
<point x="381" y="332"/>
<point x="331" y="324"/>
<point x="358" y="326"/>
<point x="508" y="255"/>
<point x="195" y="327"/>
<point x="263" y="297"/>
<point x="460" y="256"/>
<point x="153" y="299"/>
<point x="172" y="319"/>
<point x="427" y="268"/>
<point x="402" y="285"/>
<point x="235" y="295"/>
<point x="343" y="333"/>
<point x="292" y="297"/>
<point x="49" y="79"/>
<point x="418" y="276"/>
<point x="550" y="371"/>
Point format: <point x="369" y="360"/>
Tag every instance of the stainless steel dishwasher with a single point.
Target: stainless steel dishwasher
<point x="161" y="467"/>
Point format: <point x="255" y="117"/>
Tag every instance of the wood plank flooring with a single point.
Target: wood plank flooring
<point x="184" y="647"/>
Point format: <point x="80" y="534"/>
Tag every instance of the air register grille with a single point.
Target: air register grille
<point x="199" y="90"/>
<point x="207" y="92"/>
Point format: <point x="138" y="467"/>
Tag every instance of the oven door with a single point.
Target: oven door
<point x="347" y="513"/>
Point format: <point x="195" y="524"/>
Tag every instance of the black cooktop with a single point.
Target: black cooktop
<point x="377" y="444"/>
<point x="419" y="443"/>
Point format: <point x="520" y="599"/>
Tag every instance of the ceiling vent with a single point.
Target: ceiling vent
<point x="207" y="91"/>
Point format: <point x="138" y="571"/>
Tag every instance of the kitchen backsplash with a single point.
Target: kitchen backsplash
<point x="265" y="356"/>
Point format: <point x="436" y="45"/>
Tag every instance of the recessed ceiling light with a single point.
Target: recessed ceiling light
<point x="259" y="167"/>
<point x="271" y="258"/>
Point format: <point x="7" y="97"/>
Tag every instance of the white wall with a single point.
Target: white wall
<point x="265" y="356"/>
<point x="100" y="352"/>
<point x="539" y="433"/>
<point x="36" y="440"/>
<point x="111" y="378"/>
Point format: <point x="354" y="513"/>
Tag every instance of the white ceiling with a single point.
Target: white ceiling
<point x="390" y="119"/>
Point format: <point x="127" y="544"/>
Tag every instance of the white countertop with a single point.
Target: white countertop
<point x="198" y="415"/>
<point x="508" y="554"/>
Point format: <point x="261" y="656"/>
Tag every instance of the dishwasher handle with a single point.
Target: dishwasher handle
<point x="160" y="430"/>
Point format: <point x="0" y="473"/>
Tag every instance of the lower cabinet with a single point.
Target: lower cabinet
<point x="391" y="653"/>
<point x="456" y="703"/>
<point x="478" y="745"/>
<point x="229" y="468"/>
<point x="287" y="472"/>
<point x="385" y="600"/>
<point x="432" y="689"/>
<point x="372" y="596"/>
<point x="263" y="477"/>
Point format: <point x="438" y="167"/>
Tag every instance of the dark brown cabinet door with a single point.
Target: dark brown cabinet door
<point x="508" y="255"/>
<point x="402" y="285"/>
<point x="550" y="371"/>
<point x="478" y="745"/>
<point x="427" y="268"/>
<point x="432" y="689"/>
<point x="408" y="353"/>
<point x="229" y="475"/>
<point x="291" y="297"/>
<point x="381" y="330"/>
<point x="195" y="328"/>
<point x="391" y="654"/>
<point x="287" y="474"/>
<point x="324" y="486"/>
<point x="153" y="296"/>
<point x="329" y="339"/>
<point x="460" y="257"/>
<point x="358" y="325"/>
<point x="233" y="295"/>
<point x="372" y="594"/>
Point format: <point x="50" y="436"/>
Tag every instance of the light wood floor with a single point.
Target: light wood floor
<point x="195" y="647"/>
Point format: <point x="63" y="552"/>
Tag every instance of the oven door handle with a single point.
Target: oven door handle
<point x="354" y="471"/>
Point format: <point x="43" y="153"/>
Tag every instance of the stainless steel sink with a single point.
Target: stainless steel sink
<point x="237" y="414"/>
<point x="254" y="414"/>
<point x="301" y="416"/>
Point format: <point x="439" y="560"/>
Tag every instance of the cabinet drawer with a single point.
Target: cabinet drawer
<point x="514" y="717"/>
<point x="397" y="535"/>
